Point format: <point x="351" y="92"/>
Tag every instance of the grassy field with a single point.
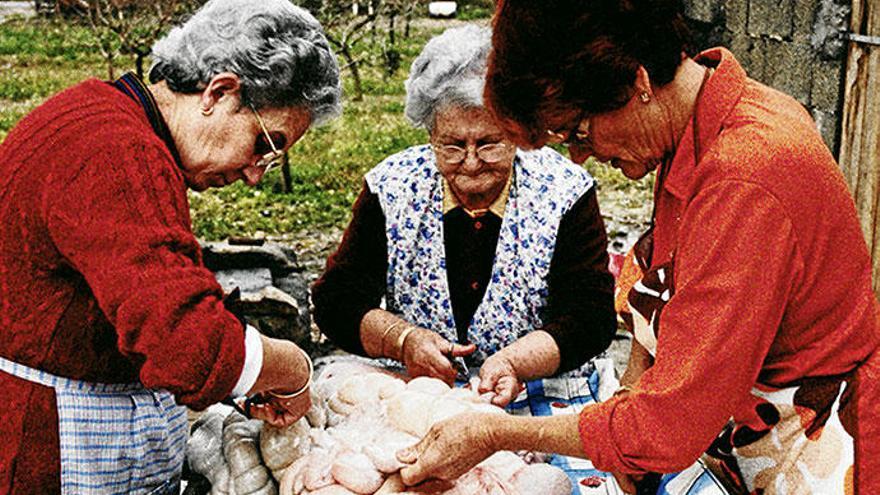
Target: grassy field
<point x="39" y="57"/>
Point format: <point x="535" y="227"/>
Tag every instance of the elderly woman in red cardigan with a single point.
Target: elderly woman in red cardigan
<point x="110" y="321"/>
<point x="755" y="324"/>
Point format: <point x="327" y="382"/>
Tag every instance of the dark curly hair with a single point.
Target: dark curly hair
<point x="552" y="60"/>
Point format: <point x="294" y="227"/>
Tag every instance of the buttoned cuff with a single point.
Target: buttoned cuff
<point x="597" y="437"/>
<point x="253" y="362"/>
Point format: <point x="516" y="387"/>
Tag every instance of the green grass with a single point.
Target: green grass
<point x="473" y="12"/>
<point x="42" y="40"/>
<point x="40" y="57"/>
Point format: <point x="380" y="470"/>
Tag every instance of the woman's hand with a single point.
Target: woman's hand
<point x="281" y="411"/>
<point x="639" y="362"/>
<point x="451" y="448"/>
<point x="626" y="482"/>
<point x="535" y="355"/>
<point x="283" y="382"/>
<point x="423" y="352"/>
<point x="426" y="353"/>
<point x="498" y="376"/>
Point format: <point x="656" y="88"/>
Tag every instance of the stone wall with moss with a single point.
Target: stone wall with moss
<point x="796" y="46"/>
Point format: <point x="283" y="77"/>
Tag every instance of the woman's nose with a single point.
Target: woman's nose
<point x="471" y="160"/>
<point x="579" y="153"/>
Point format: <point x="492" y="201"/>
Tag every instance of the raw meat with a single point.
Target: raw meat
<point x="361" y="417"/>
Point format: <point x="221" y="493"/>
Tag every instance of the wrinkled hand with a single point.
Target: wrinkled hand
<point x="450" y="449"/>
<point x="281" y="412"/>
<point x="498" y="376"/>
<point x="426" y="353"/>
<point x="626" y="482"/>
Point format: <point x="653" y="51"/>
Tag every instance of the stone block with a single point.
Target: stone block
<point x="828" y="123"/>
<point x="297" y="286"/>
<point x="826" y="90"/>
<point x="274" y="295"/>
<point x="227" y="256"/>
<point x="804" y="17"/>
<point x="702" y="10"/>
<point x="772" y="18"/>
<point x="736" y="14"/>
<point x="247" y="281"/>
<point x="707" y="35"/>
<point x="831" y="21"/>
<point x="750" y="52"/>
<point x="789" y="68"/>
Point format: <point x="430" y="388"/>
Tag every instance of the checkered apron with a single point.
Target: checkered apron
<point x="558" y="396"/>
<point x="114" y="438"/>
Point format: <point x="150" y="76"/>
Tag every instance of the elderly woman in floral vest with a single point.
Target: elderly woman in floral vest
<point x="486" y="255"/>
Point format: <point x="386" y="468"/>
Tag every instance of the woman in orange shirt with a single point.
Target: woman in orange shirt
<point x="754" y="319"/>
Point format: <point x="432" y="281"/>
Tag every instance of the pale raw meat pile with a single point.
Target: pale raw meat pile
<point x="347" y="443"/>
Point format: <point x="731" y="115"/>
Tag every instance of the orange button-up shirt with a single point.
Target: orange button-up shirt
<point x="772" y="280"/>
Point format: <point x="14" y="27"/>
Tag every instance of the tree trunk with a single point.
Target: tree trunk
<point x="410" y="10"/>
<point x="139" y="65"/>
<point x="110" y="69"/>
<point x="287" y="182"/>
<point x="345" y="51"/>
<point x="391" y="18"/>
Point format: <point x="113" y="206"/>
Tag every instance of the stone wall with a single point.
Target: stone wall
<point x="795" y="46"/>
<point x="272" y="291"/>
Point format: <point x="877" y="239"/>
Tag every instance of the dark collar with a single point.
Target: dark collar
<point x="131" y="85"/>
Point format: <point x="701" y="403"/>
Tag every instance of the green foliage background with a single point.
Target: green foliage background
<point x="39" y="57"/>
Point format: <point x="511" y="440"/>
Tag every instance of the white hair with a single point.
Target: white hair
<point x="278" y="51"/>
<point x="450" y="71"/>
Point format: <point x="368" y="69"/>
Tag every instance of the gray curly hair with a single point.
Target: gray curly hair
<point x="278" y="51"/>
<point x="451" y="70"/>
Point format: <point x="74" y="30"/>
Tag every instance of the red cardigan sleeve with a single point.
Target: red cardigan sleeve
<point x="736" y="262"/>
<point x="121" y="219"/>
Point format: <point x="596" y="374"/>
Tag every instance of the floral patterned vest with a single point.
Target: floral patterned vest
<point x="410" y="189"/>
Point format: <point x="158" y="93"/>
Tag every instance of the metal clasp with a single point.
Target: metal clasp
<point x="862" y="38"/>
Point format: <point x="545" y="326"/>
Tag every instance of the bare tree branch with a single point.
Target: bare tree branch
<point x="132" y="26"/>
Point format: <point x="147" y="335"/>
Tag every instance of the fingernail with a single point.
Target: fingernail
<point x="406" y="455"/>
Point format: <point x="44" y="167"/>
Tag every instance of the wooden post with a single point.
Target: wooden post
<point x="860" y="135"/>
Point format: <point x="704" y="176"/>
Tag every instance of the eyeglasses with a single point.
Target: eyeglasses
<point x="489" y="153"/>
<point x="578" y="136"/>
<point x="265" y="146"/>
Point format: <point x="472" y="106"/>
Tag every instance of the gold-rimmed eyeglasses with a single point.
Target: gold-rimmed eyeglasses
<point x="489" y="153"/>
<point x="271" y="158"/>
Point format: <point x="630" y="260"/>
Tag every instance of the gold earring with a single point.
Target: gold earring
<point x="645" y="97"/>
<point x="207" y="111"/>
